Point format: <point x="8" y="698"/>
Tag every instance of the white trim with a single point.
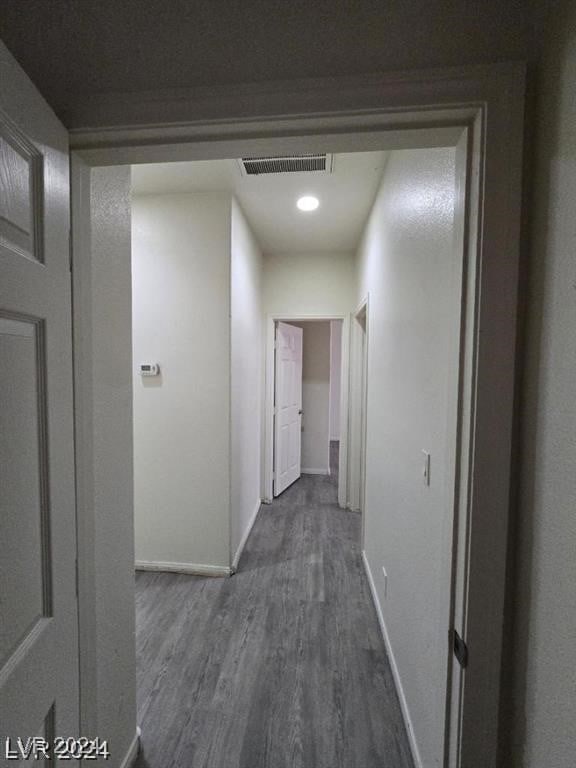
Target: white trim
<point x="245" y="535"/>
<point x="312" y="471"/>
<point x="362" y="306"/>
<point x="194" y="569"/>
<point x="133" y="749"/>
<point x="105" y="120"/>
<point x="395" y="672"/>
<point x="344" y="420"/>
<point x="190" y="124"/>
<point x="358" y="411"/>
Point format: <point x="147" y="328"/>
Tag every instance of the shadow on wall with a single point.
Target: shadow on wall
<point x="537" y="720"/>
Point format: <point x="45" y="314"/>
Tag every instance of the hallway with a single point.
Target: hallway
<point x="280" y="666"/>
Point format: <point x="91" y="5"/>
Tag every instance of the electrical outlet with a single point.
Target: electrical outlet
<point x="385" y="582"/>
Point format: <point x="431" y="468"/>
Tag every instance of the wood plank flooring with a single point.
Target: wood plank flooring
<point x="280" y="666"/>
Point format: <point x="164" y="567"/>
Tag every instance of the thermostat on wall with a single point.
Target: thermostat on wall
<point x="149" y="369"/>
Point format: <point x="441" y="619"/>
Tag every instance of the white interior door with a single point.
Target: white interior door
<point x="287" y="406"/>
<point x="38" y="614"/>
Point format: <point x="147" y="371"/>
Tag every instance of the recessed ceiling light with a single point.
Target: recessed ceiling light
<point x="308" y="203"/>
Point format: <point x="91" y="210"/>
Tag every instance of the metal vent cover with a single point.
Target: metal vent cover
<point x="315" y="163"/>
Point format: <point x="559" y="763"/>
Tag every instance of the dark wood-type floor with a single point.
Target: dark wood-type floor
<point x="280" y="666"/>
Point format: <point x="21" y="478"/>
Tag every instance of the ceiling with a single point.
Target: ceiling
<point x="76" y="49"/>
<point x="269" y="201"/>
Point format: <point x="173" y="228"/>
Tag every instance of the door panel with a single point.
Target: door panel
<point x="288" y="406"/>
<point x="21" y="193"/>
<point x="24" y="573"/>
<point x="38" y="612"/>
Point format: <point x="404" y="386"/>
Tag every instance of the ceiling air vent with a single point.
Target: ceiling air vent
<point x="318" y="163"/>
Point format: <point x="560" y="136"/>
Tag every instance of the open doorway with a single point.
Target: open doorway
<point x="203" y="282"/>
<point x="307" y="400"/>
<point x="204" y="296"/>
<point x="204" y="291"/>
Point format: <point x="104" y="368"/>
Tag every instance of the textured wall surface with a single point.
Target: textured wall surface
<point x="408" y="266"/>
<point x="246" y="375"/>
<point x="542" y="709"/>
<point x="140" y="45"/>
<point x="181" y="320"/>
<point x="316" y="283"/>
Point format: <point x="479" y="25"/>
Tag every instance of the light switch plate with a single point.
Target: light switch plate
<point x="425" y="467"/>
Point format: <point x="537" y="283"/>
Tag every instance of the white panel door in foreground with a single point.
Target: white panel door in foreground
<point x="38" y="618"/>
<point x="287" y="406"/>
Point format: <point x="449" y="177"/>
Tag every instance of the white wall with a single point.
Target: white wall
<point x="315" y="397"/>
<point x="246" y="376"/>
<point x="406" y="263"/>
<point x="181" y="319"/>
<point x="316" y="283"/>
<point x="540" y="729"/>
<point x="335" y="376"/>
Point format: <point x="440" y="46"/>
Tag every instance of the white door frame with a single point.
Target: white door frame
<point x="357" y="418"/>
<point x="269" y="376"/>
<point x="483" y="106"/>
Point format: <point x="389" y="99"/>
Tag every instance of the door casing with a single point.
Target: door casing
<point x="358" y="402"/>
<point x="482" y="110"/>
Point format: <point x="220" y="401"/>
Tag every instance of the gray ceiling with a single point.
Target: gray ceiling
<point x="74" y="48"/>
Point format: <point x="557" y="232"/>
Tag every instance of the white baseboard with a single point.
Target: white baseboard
<point x="403" y="703"/>
<point x="194" y="569"/>
<point x="313" y="471"/>
<point x="132" y="753"/>
<point x="245" y="535"/>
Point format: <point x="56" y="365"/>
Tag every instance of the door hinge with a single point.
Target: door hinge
<point x="76" y="574"/>
<point x="70" y="250"/>
<point x="460" y="649"/>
